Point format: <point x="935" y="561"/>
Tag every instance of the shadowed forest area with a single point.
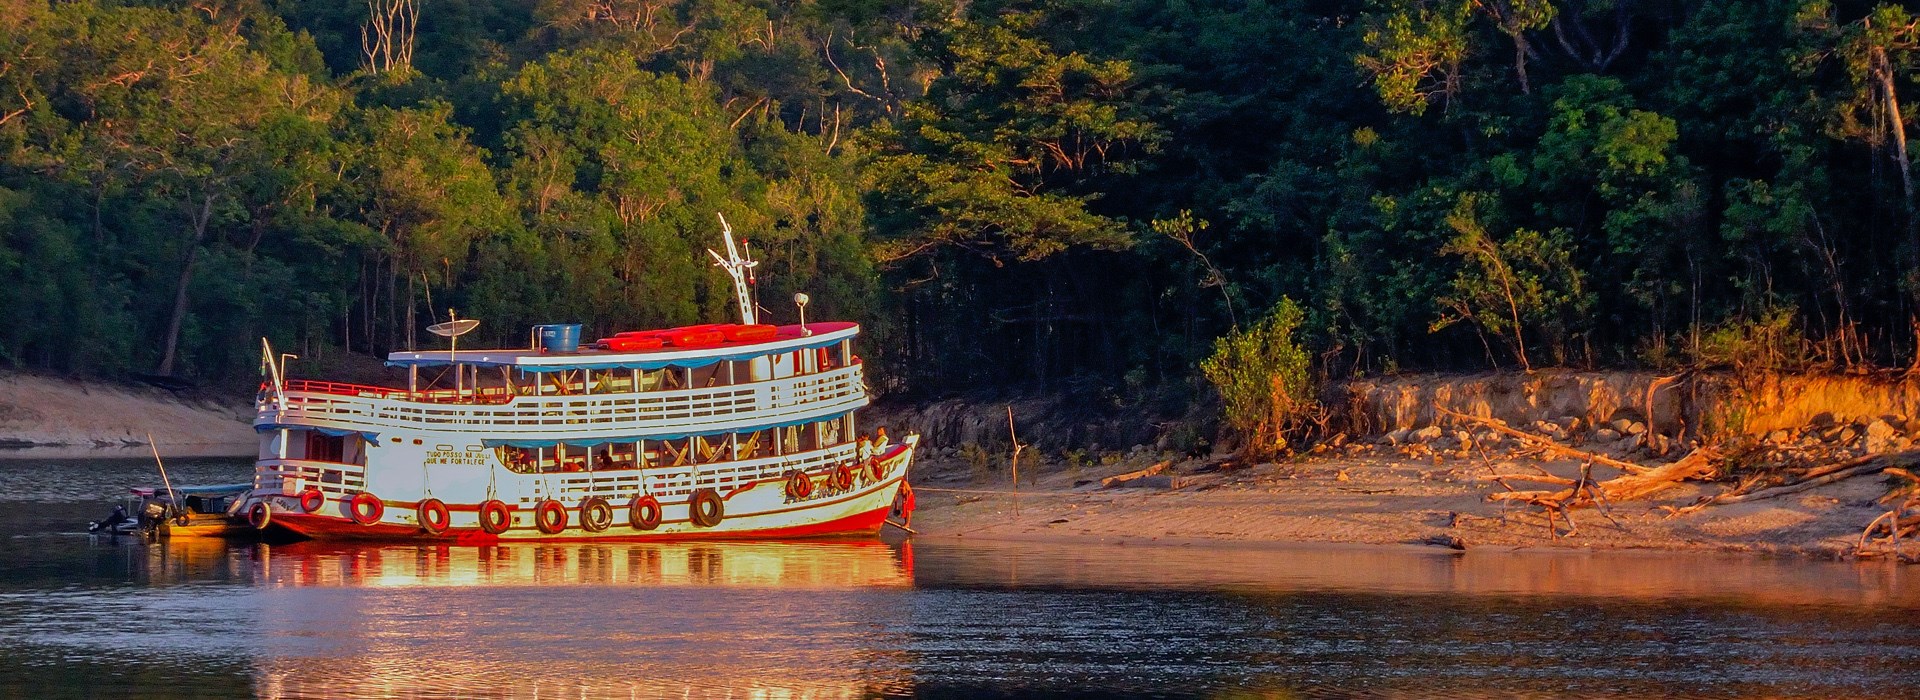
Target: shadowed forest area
<point x="1029" y="194"/>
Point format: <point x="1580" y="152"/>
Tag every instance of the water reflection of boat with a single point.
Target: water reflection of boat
<point x="644" y="619"/>
<point x="188" y="560"/>
<point x="832" y="564"/>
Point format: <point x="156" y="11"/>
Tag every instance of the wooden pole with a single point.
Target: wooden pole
<point x="164" y="481"/>
<point x="1017" y="447"/>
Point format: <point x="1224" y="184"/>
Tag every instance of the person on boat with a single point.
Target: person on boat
<point x="865" y="450"/>
<point x="880" y="440"/>
<point x="903" y="504"/>
<point x="113" y="520"/>
<point x="604" y="461"/>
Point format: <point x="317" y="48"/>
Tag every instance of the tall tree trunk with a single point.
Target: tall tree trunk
<point x="1520" y="50"/>
<point x="1882" y="69"/>
<point x="175" y="320"/>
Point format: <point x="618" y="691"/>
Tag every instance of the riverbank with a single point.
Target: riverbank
<point x="56" y="417"/>
<point x="1377" y="500"/>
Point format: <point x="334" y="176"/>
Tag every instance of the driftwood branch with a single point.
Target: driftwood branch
<point x="1547" y="444"/>
<point x="1841" y="472"/>
<point x="1626" y="487"/>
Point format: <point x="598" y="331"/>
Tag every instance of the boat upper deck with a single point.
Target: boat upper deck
<point x="786" y="339"/>
<point x="593" y="396"/>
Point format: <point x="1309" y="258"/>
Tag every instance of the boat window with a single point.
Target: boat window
<point x="325" y="448"/>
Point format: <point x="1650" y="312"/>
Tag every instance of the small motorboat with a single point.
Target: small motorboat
<point x="202" y="511"/>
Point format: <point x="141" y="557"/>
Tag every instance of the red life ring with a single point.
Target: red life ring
<point x="705" y="508"/>
<point x="550" y="517"/>
<point x="874" y="471"/>
<point x="365" y="509"/>
<point x="799" y="485"/>
<point x="644" y="514"/>
<point x="595" y="514"/>
<point x="260" y="515"/>
<point x="312" y="499"/>
<point x="433" y="516"/>
<point x="494" y="518"/>
<point x="843" y="478"/>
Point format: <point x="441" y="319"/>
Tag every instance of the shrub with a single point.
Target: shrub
<point x="1262" y="376"/>
<point x="1769" y="343"/>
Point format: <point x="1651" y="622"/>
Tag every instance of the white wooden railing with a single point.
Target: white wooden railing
<point x="669" y="482"/>
<point x="288" y="477"/>
<point x="623" y="415"/>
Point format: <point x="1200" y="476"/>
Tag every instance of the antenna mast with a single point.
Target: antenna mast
<point x="736" y="267"/>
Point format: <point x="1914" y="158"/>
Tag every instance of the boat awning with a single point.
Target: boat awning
<point x="618" y="439"/>
<point x="823" y="335"/>
<point x="369" y="436"/>
<point x="212" y="490"/>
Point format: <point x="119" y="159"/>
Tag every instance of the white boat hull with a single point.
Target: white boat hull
<point x="757" y="499"/>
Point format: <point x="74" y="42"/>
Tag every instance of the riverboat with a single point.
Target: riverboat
<point x="708" y="432"/>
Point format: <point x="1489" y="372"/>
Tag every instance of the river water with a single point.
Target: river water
<point x="95" y="618"/>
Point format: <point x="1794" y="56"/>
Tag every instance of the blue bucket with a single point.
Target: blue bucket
<point x="559" y="337"/>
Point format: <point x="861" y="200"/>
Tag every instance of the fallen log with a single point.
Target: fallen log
<point x="1825" y="469"/>
<point x="1536" y="478"/>
<point x="1625" y="487"/>
<point x="1119" y="479"/>
<point x="1547" y="444"/>
<point x="1871" y="466"/>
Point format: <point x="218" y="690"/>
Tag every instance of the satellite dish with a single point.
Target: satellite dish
<point x="454" y="329"/>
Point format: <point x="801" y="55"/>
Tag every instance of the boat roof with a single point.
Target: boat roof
<point x="211" y="490"/>
<point x="786" y="339"/>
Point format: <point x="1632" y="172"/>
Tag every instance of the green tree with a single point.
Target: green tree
<point x="1508" y="287"/>
<point x="989" y="161"/>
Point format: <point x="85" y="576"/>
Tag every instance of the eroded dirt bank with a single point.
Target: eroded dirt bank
<point x="1691" y="405"/>
<point x="51" y="417"/>
<point x="1398" y="470"/>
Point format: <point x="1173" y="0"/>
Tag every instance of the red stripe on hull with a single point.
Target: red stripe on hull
<point x="332" y="527"/>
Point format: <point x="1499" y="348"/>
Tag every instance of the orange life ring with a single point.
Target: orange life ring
<point x="312" y="499"/>
<point x="494" y="518"/>
<point x="260" y="515"/>
<point x="843" y="478"/>
<point x="644" y="514"/>
<point x="874" y="471"/>
<point x="705" y="508"/>
<point x="799" y="485"/>
<point x="595" y="514"/>
<point x="365" y="509"/>
<point x="434" y="517"/>
<point x="550" y="517"/>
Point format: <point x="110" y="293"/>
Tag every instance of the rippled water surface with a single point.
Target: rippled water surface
<point x="88" y="617"/>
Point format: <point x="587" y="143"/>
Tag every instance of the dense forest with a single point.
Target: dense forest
<point x="1007" y="193"/>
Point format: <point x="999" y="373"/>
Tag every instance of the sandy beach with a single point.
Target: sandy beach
<point x="54" y="417"/>
<point x="1377" y="501"/>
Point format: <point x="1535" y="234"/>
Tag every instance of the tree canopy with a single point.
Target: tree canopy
<point x="1016" y="193"/>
